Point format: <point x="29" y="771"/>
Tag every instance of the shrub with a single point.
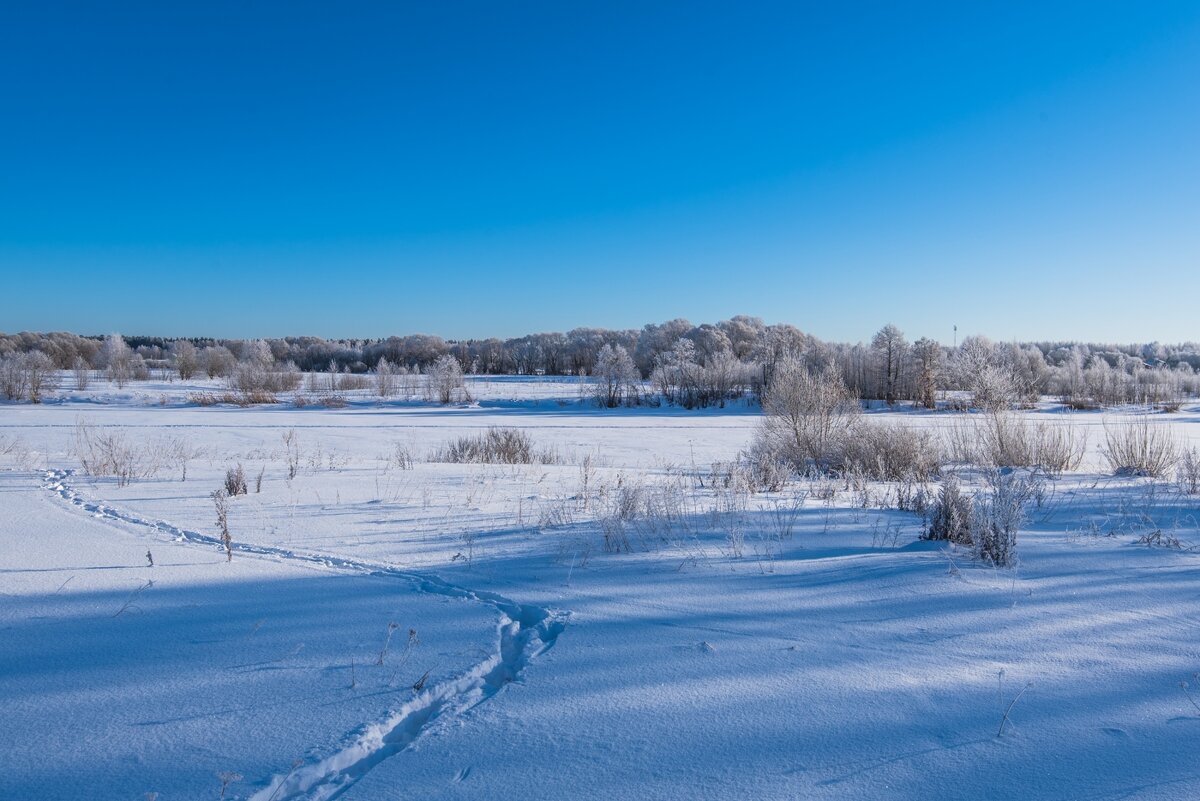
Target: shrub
<point x="350" y="380"/>
<point x="494" y="446"/>
<point x="13" y="380"/>
<point x="889" y="452"/>
<point x="221" y="502"/>
<point x="253" y="398"/>
<point x="813" y="421"/>
<point x="235" y="481"/>
<point x="257" y="380"/>
<point x="1187" y="476"/>
<point x="999" y="514"/>
<point x="1005" y="439"/>
<point x="402" y="456"/>
<point x="109" y="453"/>
<point x="1138" y="447"/>
<point x="685" y="376"/>
<point x="763" y="470"/>
<point x="40" y="370"/>
<point x="951" y="516"/>
<point x="808" y="417"/>
<point x="291" y="449"/>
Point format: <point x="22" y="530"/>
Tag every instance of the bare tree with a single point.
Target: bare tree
<point x="890" y="348"/>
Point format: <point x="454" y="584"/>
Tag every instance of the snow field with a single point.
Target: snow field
<point x="773" y="646"/>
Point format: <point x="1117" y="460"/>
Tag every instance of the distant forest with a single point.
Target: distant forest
<point x="695" y="365"/>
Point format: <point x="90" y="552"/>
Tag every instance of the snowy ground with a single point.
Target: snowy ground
<point x="799" y="646"/>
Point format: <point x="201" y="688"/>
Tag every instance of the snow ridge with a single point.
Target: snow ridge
<point x="524" y="632"/>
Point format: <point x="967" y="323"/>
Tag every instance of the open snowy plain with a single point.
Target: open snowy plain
<point x="388" y="627"/>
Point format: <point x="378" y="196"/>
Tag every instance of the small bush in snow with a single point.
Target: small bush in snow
<point x="402" y="456"/>
<point x="951" y="516"/>
<point x="1005" y="439"/>
<point x="221" y="502"/>
<point x="494" y="446"/>
<point x="117" y="359"/>
<point x="763" y="470"/>
<point x="14" y="383"/>
<point x="890" y="452"/>
<point x="258" y="379"/>
<point x="999" y="514"/>
<point x="808" y="417"/>
<point x="252" y="398"/>
<point x="109" y="453"/>
<point x="814" y="422"/>
<point x="1187" y="475"/>
<point x="235" y="481"/>
<point x="291" y="450"/>
<point x="1140" y="448"/>
<point x="1160" y="539"/>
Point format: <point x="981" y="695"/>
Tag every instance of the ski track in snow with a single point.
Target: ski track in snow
<point x="524" y="632"/>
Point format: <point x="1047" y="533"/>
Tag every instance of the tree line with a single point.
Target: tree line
<point x="673" y="362"/>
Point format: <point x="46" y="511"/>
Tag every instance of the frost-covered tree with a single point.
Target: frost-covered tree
<point x="978" y="369"/>
<point x="14" y="382"/>
<point x="675" y="372"/>
<point x="724" y="378"/>
<point x="41" y="376"/>
<point x="709" y="340"/>
<point x="775" y="344"/>
<point x="656" y="339"/>
<point x="385" y="378"/>
<point x="743" y="333"/>
<point x="444" y="381"/>
<point x="218" y="361"/>
<point x="927" y="355"/>
<point x="258" y="352"/>
<point x="82" y="372"/>
<point x="187" y="362"/>
<point x="615" y="378"/>
<point x="117" y="359"/>
<point x="26" y="376"/>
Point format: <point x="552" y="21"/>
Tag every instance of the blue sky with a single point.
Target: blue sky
<point x="361" y="169"/>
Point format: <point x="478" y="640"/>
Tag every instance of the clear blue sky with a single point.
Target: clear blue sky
<point x="261" y="168"/>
